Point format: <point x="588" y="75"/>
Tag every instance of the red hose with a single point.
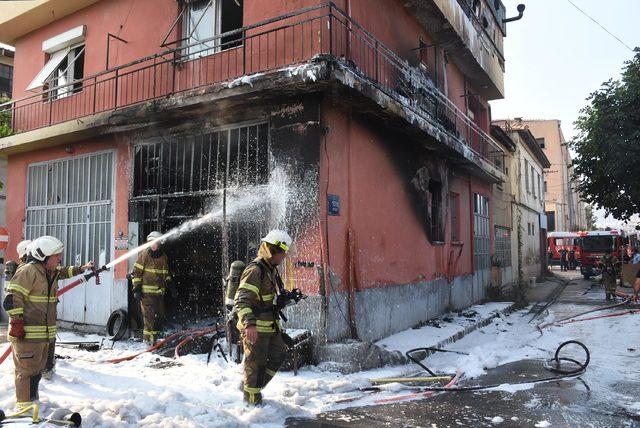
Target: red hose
<point x="192" y="336"/>
<point x="4" y="356"/>
<point x="616" y="314"/>
<point x="60" y="293"/>
<point x="161" y="343"/>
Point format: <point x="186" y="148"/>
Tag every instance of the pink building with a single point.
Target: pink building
<point x="361" y="126"/>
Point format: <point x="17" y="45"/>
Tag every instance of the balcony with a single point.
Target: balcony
<point x="318" y="34"/>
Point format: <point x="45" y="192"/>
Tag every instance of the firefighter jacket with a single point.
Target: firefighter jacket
<point x="32" y="295"/>
<point x="610" y="265"/>
<point x="152" y="272"/>
<point x="256" y="297"/>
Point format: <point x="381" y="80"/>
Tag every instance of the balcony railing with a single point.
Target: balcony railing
<point x="271" y="45"/>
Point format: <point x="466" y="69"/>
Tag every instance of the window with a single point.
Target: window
<point x="551" y="221"/>
<point x="540" y="142"/>
<point x="202" y="20"/>
<point x="71" y="69"/>
<point x="503" y="246"/>
<point x="65" y="63"/>
<point x="71" y="199"/>
<point x="539" y="187"/>
<point x="481" y="239"/>
<point x="198" y="163"/>
<point x="533" y="183"/>
<point x="545" y="186"/>
<point x="6" y="80"/>
<point x="437" y="225"/>
<point x="454" y="207"/>
<point x="526" y="175"/>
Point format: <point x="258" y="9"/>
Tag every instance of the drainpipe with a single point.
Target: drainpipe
<point x="520" y="9"/>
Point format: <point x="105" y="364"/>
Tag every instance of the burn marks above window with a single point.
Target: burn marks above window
<point x="431" y="186"/>
<point x="203" y="163"/>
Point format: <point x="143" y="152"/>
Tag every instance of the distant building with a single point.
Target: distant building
<point x="519" y="206"/>
<point x="564" y="208"/>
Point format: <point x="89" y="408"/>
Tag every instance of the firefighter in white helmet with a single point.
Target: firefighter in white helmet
<point x="258" y="320"/>
<point x="11" y="267"/>
<point x="31" y="304"/>
<point x="151" y="280"/>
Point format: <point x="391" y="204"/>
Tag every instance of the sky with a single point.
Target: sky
<point x="556" y="56"/>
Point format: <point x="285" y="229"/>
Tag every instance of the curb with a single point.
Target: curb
<point x="469" y="329"/>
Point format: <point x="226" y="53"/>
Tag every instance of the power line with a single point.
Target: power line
<point x="601" y="26"/>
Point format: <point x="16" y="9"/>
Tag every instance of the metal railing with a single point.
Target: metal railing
<point x="275" y="44"/>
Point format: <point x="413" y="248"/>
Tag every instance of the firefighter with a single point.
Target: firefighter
<point x="258" y="320"/>
<point x="610" y="266"/>
<point x="563" y="259"/>
<point x="572" y="259"/>
<point x="151" y="280"/>
<point x="11" y="267"/>
<point x="31" y="304"/>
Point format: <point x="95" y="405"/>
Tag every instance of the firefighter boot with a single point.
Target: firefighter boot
<point x="252" y="396"/>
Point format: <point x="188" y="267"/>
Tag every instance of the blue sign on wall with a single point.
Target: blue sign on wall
<point x="333" y="204"/>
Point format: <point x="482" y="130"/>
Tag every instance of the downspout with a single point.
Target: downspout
<point x="351" y="242"/>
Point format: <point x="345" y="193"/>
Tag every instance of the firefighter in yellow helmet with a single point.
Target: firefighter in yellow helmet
<point x="151" y="280"/>
<point x="258" y="320"/>
<point x="31" y="304"/>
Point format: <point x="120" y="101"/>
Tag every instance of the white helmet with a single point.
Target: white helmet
<point x="279" y="238"/>
<point x="46" y="246"/>
<point x="23" y="247"/>
<point x="154" y="235"/>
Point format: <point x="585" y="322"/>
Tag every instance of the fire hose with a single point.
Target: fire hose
<point x="83" y="279"/>
<point x="554" y="364"/>
<point x="180" y="335"/>
<point x="560" y="321"/>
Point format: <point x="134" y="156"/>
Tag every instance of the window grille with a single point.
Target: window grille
<point x="71" y="199"/>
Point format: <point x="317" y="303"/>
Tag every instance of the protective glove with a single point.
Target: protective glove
<point x="137" y="292"/>
<point x="16" y="328"/>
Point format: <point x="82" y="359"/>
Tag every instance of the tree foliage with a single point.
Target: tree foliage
<point x="607" y="161"/>
<point x="5" y="119"/>
<point x="590" y="216"/>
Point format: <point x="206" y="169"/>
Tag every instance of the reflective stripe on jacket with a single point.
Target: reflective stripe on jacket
<point x="31" y="294"/>
<point x="255" y="299"/>
<point x="152" y="273"/>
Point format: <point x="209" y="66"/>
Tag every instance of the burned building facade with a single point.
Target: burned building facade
<point x="358" y="126"/>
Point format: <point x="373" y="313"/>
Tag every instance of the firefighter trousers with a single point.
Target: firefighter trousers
<point x="262" y="360"/>
<point x="51" y="357"/>
<point x="609" y="282"/>
<point x="29" y="359"/>
<point x="152" y="307"/>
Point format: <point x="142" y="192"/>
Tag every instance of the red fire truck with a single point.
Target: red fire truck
<point x="557" y="241"/>
<point x="593" y="245"/>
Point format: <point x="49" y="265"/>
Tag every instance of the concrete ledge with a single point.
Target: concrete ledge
<point x="448" y="328"/>
<point x="353" y="356"/>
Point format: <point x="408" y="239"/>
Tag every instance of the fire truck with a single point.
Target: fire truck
<point x="593" y="245"/>
<point x="556" y="241"/>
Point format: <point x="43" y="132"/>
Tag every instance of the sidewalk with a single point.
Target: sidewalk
<point x="446" y="329"/>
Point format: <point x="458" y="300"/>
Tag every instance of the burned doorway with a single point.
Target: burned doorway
<point x="180" y="178"/>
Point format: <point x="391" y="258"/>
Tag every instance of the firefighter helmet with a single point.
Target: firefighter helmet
<point x="279" y="238"/>
<point x="23" y="247"/>
<point x="46" y="246"/>
<point x="153" y="236"/>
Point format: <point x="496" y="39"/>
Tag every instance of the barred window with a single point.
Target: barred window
<point x="503" y="246"/>
<point x="202" y="163"/>
<point x="481" y="238"/>
<point x="71" y="199"/>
